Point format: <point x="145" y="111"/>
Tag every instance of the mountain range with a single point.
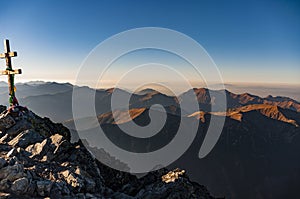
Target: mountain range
<point x="54" y="100"/>
<point x="257" y="155"/>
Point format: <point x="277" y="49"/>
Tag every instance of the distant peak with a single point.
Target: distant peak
<point x="146" y="91"/>
<point x="279" y="98"/>
<point x="110" y="90"/>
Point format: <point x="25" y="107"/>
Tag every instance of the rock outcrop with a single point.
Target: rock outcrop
<point x="37" y="160"/>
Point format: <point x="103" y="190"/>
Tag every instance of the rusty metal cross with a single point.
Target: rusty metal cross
<point x="7" y="55"/>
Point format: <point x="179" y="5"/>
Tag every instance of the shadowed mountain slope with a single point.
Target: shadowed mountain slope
<point x="258" y="150"/>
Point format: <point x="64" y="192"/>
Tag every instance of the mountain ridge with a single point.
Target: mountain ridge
<point x="43" y="104"/>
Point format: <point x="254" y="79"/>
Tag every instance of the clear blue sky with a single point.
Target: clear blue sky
<point x="250" y="41"/>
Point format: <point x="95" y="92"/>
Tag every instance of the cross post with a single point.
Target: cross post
<point x="7" y="55"/>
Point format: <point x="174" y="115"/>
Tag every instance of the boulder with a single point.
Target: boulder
<point x="12" y="173"/>
<point x="20" y="185"/>
<point x="6" y="121"/>
<point x="4" y="184"/>
<point x="2" y="162"/>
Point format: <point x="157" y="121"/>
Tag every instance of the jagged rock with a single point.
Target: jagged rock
<point x="4" y="195"/>
<point x="46" y="128"/>
<point x="49" y="148"/>
<point x="2" y="139"/>
<point x="2" y="108"/>
<point x="172" y="175"/>
<point x="12" y="153"/>
<point x="75" y="181"/>
<point x="18" y="128"/>
<point x="38" y="148"/>
<point x="26" y="138"/>
<point x="20" y="185"/>
<point x="59" y="144"/>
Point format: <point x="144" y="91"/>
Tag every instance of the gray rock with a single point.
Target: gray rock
<point x="26" y="138"/>
<point x="118" y="195"/>
<point x="80" y="196"/>
<point x="20" y="126"/>
<point x="12" y="173"/>
<point x="44" y="187"/>
<point x="31" y="188"/>
<point x="89" y="184"/>
<point x="2" y="162"/>
<point x="88" y="195"/>
<point x="20" y="185"/>
<point x="4" y="185"/>
<point x="62" y="186"/>
<point x="6" y="121"/>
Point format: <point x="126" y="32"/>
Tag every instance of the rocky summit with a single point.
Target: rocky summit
<point x="37" y="160"/>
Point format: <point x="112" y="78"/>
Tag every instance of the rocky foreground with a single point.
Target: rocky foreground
<point x="37" y="160"/>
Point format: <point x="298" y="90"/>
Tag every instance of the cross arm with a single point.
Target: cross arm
<point x="9" y="54"/>
<point x="11" y="72"/>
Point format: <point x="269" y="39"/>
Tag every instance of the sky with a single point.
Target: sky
<point x="254" y="42"/>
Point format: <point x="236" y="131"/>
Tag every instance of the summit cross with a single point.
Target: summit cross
<point x="7" y="55"/>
